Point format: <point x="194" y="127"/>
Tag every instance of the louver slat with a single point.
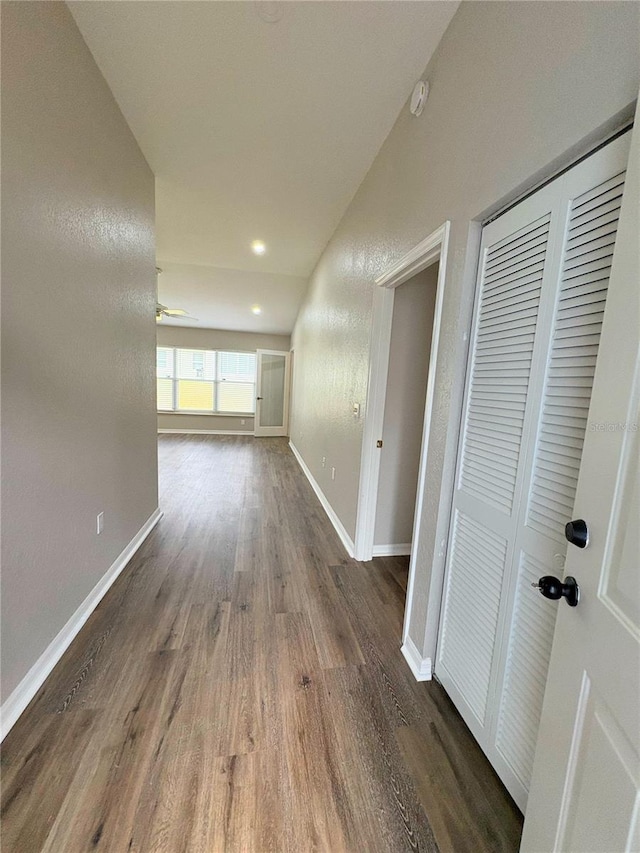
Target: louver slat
<point x="594" y="247"/>
<point x="522" y="260"/>
<point x="587" y="198"/>
<point x="509" y="301"/>
<point x="526" y="672"/>
<point x="576" y="335"/>
<point x="471" y="611"/>
<point x="505" y="247"/>
<point x="524" y="257"/>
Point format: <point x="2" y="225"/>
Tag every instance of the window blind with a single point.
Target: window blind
<point x="205" y="381"/>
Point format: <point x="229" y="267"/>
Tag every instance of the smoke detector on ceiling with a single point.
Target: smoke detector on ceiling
<point x="419" y="97"/>
<point x="269" y="10"/>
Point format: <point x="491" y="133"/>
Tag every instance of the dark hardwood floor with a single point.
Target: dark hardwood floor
<point x="241" y="688"/>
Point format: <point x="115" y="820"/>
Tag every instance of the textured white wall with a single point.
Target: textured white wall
<point x="413" y="309"/>
<point x="187" y="336"/>
<point x="515" y="88"/>
<point x="78" y="330"/>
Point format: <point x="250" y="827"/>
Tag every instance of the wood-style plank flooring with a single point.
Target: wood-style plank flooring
<point x="241" y="688"/>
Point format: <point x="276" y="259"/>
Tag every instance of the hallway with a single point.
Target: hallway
<point x="241" y="688"/>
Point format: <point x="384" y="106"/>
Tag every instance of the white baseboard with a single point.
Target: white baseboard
<point x="420" y="667"/>
<point x="208" y="431"/>
<point x="403" y="550"/>
<point x="333" y="518"/>
<point x="15" y="704"/>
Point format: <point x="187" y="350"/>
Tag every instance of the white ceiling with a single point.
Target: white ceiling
<point x="225" y="297"/>
<point x="256" y="130"/>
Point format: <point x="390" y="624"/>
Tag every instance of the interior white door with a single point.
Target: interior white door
<point x="585" y="791"/>
<point x="541" y="296"/>
<point x="272" y="393"/>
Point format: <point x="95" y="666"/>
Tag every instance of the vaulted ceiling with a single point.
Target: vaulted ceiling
<point x="260" y="121"/>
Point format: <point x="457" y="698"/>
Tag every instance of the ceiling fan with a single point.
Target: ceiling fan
<point x="172" y="313"/>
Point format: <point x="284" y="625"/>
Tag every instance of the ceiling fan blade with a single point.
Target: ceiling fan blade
<point x="181" y="317"/>
<point x="172" y="313"/>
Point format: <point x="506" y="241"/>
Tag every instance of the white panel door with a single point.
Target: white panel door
<point x="585" y="791"/>
<point x="272" y="393"/>
<point x="541" y="294"/>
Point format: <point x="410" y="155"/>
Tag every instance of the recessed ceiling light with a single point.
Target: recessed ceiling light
<point x="256" y="309"/>
<point x="258" y="247"/>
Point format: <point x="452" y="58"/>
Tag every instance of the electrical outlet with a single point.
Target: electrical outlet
<point x="333" y="473"/>
<point x="99" y="523"/>
<point x="242" y="421"/>
<point x="324" y="461"/>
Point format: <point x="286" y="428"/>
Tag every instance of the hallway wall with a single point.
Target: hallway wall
<point x="516" y="88"/>
<point x="78" y="330"/>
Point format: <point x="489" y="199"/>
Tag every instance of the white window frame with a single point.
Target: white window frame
<point x="216" y="382"/>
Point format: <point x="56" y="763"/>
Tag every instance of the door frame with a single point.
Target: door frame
<point x="284" y="429"/>
<point x="429" y="251"/>
<point x="290" y="396"/>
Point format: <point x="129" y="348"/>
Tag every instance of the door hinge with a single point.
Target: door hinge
<point x="379" y="443"/>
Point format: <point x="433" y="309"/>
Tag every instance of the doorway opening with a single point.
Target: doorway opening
<point x="405" y="397"/>
<point x="428" y="257"/>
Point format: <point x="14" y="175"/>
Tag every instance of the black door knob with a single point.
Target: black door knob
<point x="554" y="588"/>
<point x="577" y="533"/>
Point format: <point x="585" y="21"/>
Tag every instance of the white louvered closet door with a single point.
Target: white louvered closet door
<point x="541" y="296"/>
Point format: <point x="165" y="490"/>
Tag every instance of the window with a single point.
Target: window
<point x="191" y="380"/>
